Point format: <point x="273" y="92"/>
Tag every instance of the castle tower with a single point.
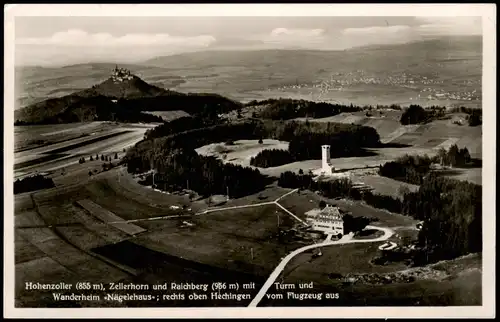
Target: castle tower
<point x="325" y="159"/>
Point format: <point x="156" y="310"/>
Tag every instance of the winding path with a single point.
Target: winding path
<point x="347" y="239"/>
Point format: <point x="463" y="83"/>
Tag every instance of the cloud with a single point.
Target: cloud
<point x="284" y="32"/>
<point x="377" y="30"/>
<point x="80" y="38"/>
<point x="75" y="45"/>
<point x="286" y="37"/>
<point x="449" y="26"/>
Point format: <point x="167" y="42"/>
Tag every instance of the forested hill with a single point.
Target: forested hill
<point x="122" y="97"/>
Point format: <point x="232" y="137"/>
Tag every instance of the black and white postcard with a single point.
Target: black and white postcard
<point x="244" y="160"/>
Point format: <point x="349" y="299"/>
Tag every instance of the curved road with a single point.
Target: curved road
<point x="345" y="240"/>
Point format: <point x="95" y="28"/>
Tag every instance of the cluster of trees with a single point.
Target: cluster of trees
<point x="338" y="188"/>
<point x="185" y="169"/>
<point x="32" y="183"/>
<point x="207" y="104"/>
<point x="355" y="224"/>
<point x="74" y="108"/>
<point x="416" y="114"/>
<point x="475" y="118"/>
<point x="414" y="168"/>
<point x="451" y="212"/>
<point x="172" y="152"/>
<point x="474" y="115"/>
<point x="450" y="209"/>
<point x="181" y="124"/>
<point x="305" y="137"/>
<point x="454" y="156"/>
<point x="409" y="168"/>
<point x="285" y="109"/>
<point x="103" y="158"/>
<point x="271" y="158"/>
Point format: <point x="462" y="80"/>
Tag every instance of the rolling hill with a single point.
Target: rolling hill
<point x="122" y="97"/>
<point x="400" y="74"/>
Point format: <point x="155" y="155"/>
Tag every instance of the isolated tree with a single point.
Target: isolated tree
<point x="301" y="171"/>
<point x="91" y="159"/>
<point x="260" y="141"/>
<point x="475" y="118"/>
<point x="90" y="173"/>
<point x="322" y="204"/>
<point x="102" y="157"/>
<point x="442" y="155"/>
<point x="453" y="155"/>
<point x="116" y="156"/>
<point x="413" y="115"/>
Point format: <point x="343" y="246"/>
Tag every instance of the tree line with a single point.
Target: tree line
<point x="285" y="109"/>
<point x="474" y="115"/>
<point x="338" y="188"/>
<point x="271" y="158"/>
<point x="32" y="183"/>
<point x="414" y="168"/>
<point x="416" y="114"/>
<point x="185" y="169"/>
<point x="409" y="168"/>
<point x="451" y="211"/>
<point x="305" y="138"/>
<point x="180" y="125"/>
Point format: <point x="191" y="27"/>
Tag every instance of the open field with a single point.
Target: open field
<point x="32" y="136"/>
<point x="242" y="150"/>
<point x="217" y="239"/>
<point x="110" y="218"/>
<point x="454" y="282"/>
<point x="218" y="245"/>
<point x="168" y="116"/>
<point x="73" y="143"/>
<point x="228" y="239"/>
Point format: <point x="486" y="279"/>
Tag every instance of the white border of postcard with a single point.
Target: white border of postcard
<point x="486" y="11"/>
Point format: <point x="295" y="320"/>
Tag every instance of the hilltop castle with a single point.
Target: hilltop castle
<point x="120" y="74"/>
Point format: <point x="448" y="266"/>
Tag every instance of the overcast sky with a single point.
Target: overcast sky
<point x="69" y="40"/>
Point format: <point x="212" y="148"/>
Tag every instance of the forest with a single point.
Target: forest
<point x="474" y="115"/>
<point x="304" y="137"/>
<point x="286" y="109"/>
<point x="185" y="169"/>
<point x="451" y="211"/>
<point x="416" y="114"/>
<point x="271" y="158"/>
<point x="32" y="183"/>
<point x="414" y="168"/>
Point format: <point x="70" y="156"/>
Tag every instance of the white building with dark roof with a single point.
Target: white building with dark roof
<point x="328" y="220"/>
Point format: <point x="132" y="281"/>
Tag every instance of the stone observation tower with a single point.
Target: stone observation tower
<point x="326" y="166"/>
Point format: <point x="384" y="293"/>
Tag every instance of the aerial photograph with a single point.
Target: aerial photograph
<point x="266" y="161"/>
